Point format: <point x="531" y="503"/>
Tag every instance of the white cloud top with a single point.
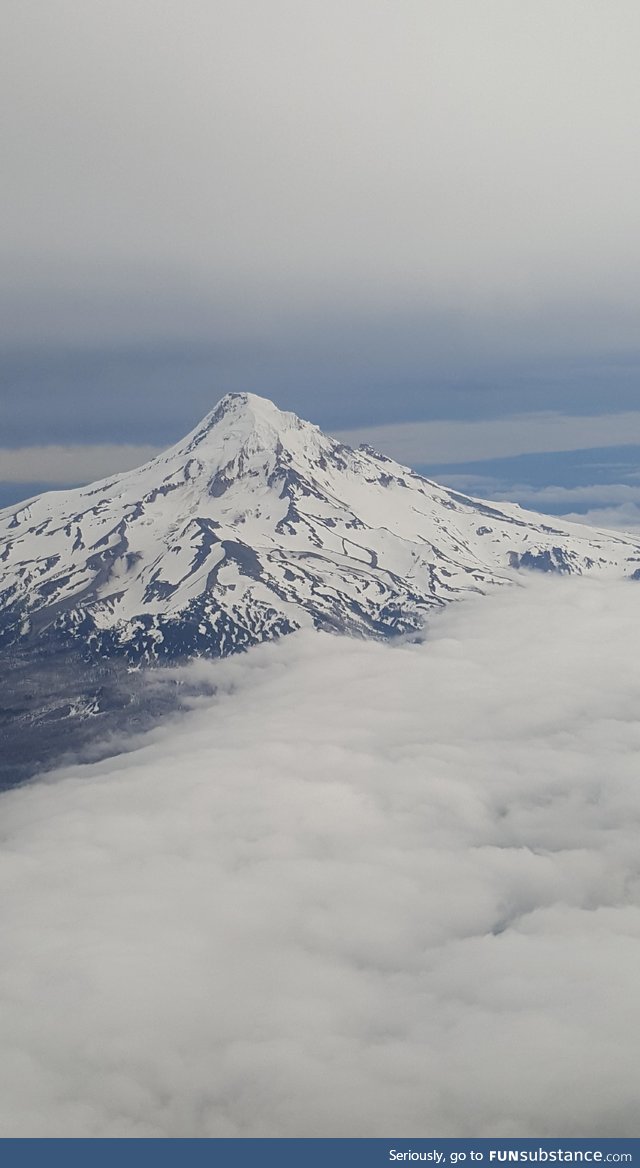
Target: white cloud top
<point x="363" y="890"/>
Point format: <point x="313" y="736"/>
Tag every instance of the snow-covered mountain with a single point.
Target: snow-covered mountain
<point x="255" y="524"/>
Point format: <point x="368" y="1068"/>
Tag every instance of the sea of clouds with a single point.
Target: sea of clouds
<point x="363" y="890"/>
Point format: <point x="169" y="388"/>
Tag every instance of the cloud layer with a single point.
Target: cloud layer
<point x="363" y="890"/>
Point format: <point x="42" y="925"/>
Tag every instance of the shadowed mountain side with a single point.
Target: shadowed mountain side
<point x="56" y="708"/>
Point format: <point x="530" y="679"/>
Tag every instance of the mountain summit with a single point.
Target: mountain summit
<point x="257" y="524"/>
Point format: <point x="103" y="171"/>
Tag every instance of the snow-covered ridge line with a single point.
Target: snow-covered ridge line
<point x="256" y="524"/>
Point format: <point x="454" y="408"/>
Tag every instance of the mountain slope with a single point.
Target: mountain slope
<point x="257" y="524"/>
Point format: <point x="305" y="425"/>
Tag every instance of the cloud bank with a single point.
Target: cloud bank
<point x="364" y="889"/>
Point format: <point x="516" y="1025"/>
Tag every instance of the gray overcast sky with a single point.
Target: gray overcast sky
<point x="373" y="212"/>
<point x="239" y="166"/>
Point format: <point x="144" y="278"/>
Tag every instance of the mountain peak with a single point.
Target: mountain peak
<point x="250" y="411"/>
<point x="248" y="423"/>
<point x="246" y="405"/>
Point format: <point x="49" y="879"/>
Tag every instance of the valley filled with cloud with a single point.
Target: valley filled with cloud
<point x="364" y="888"/>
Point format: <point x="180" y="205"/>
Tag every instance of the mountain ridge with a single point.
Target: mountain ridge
<point x="255" y="524"/>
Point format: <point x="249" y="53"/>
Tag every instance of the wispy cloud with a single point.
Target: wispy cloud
<point x="362" y="889"/>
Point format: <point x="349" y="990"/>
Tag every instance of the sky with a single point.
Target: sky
<point x="363" y="888"/>
<point x="376" y="214"/>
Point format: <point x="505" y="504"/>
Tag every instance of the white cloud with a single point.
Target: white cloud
<point x="608" y="505"/>
<point x="363" y="890"/>
<point x="423" y="442"/>
<point x="605" y="505"/>
<point x="611" y="493"/>
<point x="625" y="517"/>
